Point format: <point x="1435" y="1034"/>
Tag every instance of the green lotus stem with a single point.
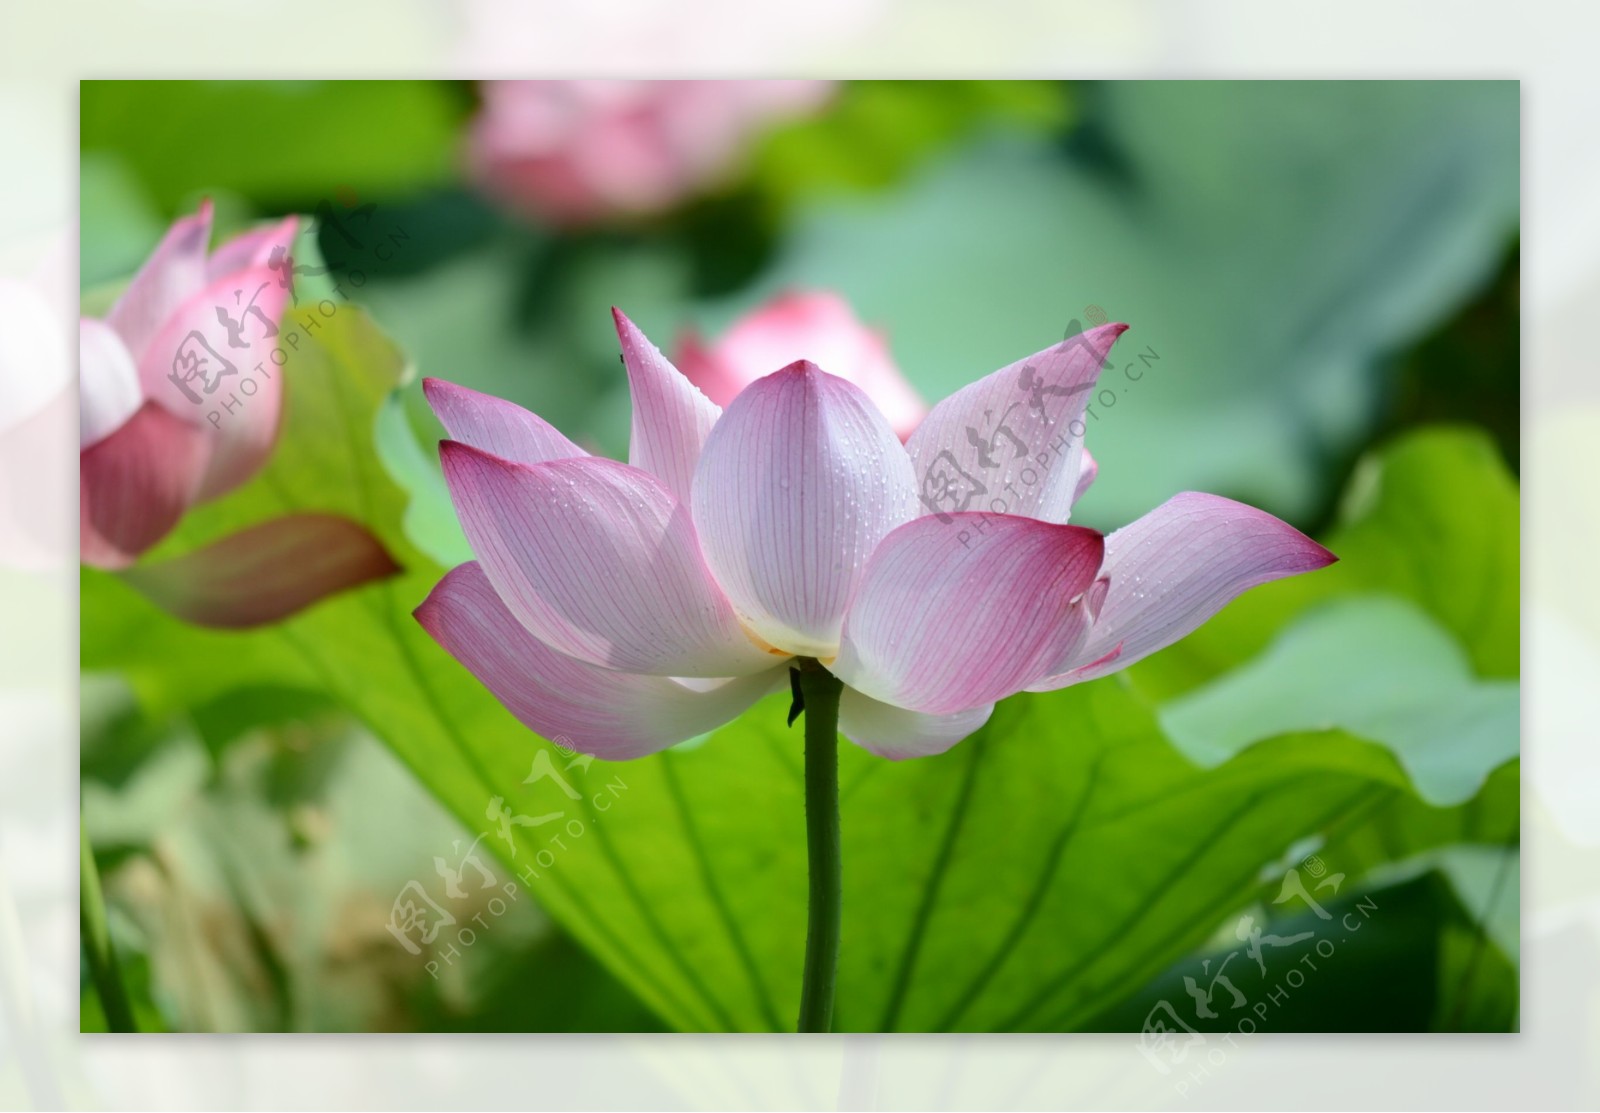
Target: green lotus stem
<point x="820" y="690"/>
<point x="97" y="949"/>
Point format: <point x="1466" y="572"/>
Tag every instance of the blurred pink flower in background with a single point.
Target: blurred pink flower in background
<point x="180" y="399"/>
<point x="578" y="152"/>
<point x="812" y="325"/>
<point x="36" y="404"/>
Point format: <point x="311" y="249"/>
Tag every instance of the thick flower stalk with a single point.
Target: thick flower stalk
<point x="578" y="152"/>
<point x="802" y="324"/>
<point x="181" y="390"/>
<point x="631" y="606"/>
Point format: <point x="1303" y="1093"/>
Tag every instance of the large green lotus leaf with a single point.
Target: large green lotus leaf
<point x="1377" y="666"/>
<point x="1400" y="827"/>
<point x="1053" y="863"/>
<point x="1487" y="880"/>
<point x="1269" y="245"/>
<point x="1413" y="947"/>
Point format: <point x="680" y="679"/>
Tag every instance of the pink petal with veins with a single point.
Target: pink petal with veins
<point x="671" y="418"/>
<point x="1174" y="568"/>
<point x="1013" y="442"/>
<point x="897" y="734"/>
<point x="612" y="715"/>
<point x="599" y="561"/>
<point x="953" y="615"/>
<point x="495" y="426"/>
<point x="798" y="482"/>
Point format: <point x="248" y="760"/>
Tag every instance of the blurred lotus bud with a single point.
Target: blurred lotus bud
<point x="179" y="399"/>
<point x="582" y="152"/>
<point x="180" y="395"/>
<point x="813" y="325"/>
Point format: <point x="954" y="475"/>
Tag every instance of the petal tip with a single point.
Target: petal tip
<point x="461" y="450"/>
<point x="1100" y="336"/>
<point x="287" y="229"/>
<point x="627" y="331"/>
<point x="802" y="367"/>
<point x="423" y="612"/>
<point x="439" y="393"/>
<point x="454" y="454"/>
<point x="428" y="613"/>
<point x="1108" y="333"/>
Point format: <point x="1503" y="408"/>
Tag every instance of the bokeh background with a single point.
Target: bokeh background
<point x="1324" y="279"/>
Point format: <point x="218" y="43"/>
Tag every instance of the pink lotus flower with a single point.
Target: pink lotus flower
<point x="181" y="391"/>
<point x="576" y="152"/>
<point x="811" y="325"/>
<point x="148" y="450"/>
<point x="630" y="606"/>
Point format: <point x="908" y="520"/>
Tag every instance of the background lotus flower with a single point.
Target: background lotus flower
<point x="36" y="403"/>
<point x="180" y="401"/>
<point x="164" y="420"/>
<point x="575" y="152"/>
<point x="631" y="606"/>
<point x="815" y="325"/>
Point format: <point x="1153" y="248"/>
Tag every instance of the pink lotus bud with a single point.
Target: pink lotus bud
<point x="180" y="398"/>
<point x="579" y="152"/>
<point x="812" y="325"/>
<point x="181" y="390"/>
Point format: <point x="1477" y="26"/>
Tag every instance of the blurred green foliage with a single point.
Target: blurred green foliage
<point x="1317" y="268"/>
<point x="275" y="142"/>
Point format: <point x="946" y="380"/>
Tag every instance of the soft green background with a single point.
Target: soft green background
<point x="1326" y="276"/>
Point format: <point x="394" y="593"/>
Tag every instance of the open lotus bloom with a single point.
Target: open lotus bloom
<point x="812" y="324"/>
<point x="576" y="152"/>
<point x="181" y="390"/>
<point x="627" y="607"/>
